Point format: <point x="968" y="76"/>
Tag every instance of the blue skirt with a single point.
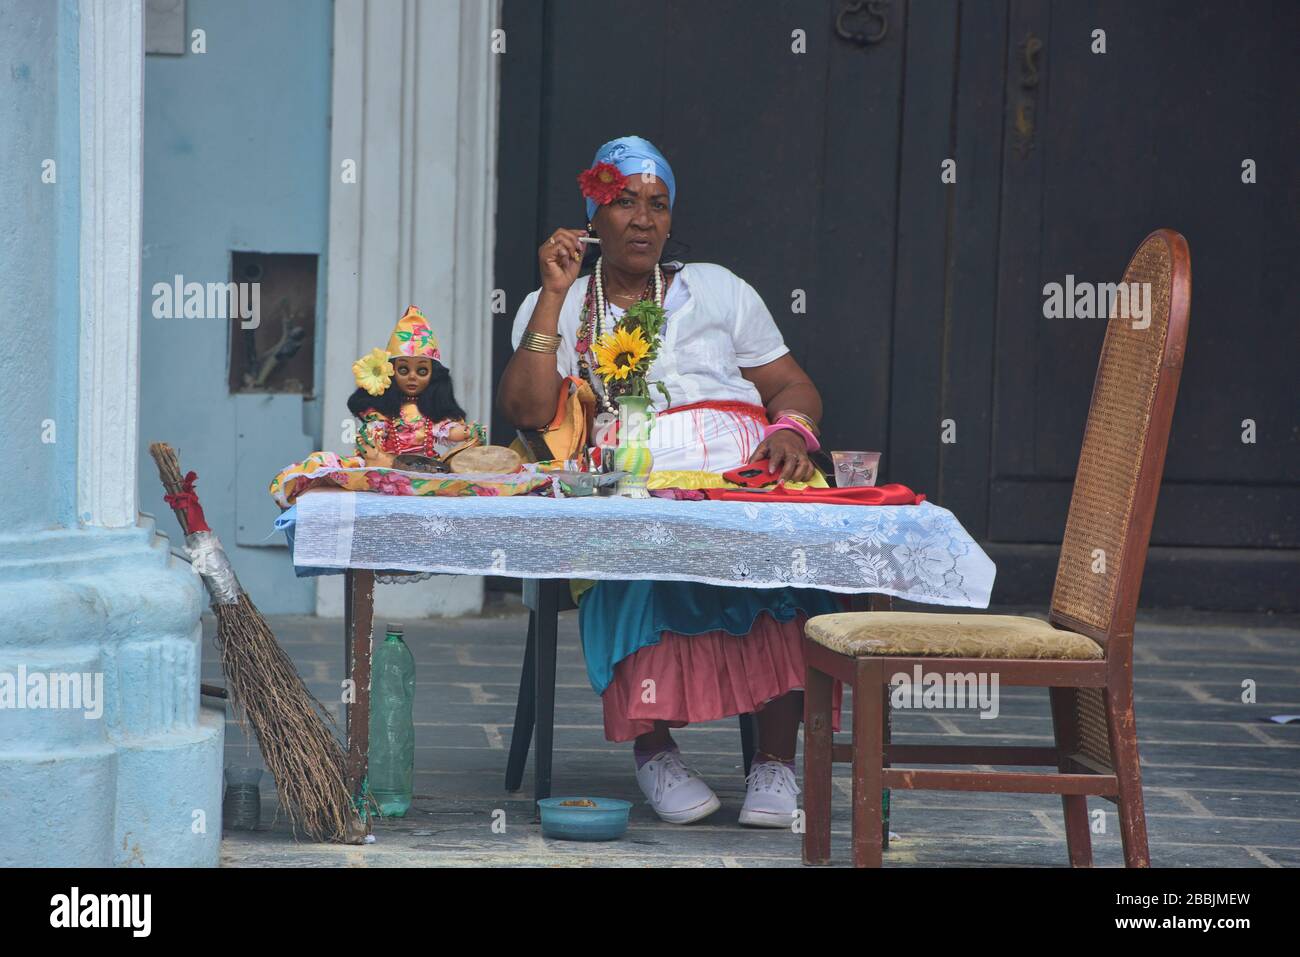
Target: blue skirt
<point x="617" y="618"/>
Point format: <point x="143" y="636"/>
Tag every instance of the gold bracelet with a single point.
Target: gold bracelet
<point x="540" y="342"/>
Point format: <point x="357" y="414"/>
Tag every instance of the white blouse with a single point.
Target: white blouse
<point x="717" y="325"/>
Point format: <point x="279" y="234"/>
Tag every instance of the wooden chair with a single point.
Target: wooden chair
<point x="1083" y="653"/>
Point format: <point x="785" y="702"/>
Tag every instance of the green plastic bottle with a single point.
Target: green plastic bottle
<point x="392" y="724"/>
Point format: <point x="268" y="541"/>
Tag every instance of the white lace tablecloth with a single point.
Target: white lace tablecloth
<point x="916" y="552"/>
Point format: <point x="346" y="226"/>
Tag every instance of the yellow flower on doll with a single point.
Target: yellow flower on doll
<point x="374" y="372"/>
<point x="620" y="352"/>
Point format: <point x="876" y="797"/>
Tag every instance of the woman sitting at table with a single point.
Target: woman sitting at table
<point x="711" y="652"/>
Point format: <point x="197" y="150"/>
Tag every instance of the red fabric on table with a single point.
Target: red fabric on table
<point x="892" y="494"/>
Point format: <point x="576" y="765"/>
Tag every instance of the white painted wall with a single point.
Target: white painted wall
<point x="415" y="108"/>
<point x="112" y="124"/>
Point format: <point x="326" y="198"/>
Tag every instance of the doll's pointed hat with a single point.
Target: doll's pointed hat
<point x="413" y="337"/>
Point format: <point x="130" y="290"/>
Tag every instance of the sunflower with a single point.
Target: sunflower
<point x="374" y="372"/>
<point x="620" y="352"/>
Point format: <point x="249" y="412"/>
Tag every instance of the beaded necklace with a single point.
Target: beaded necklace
<point x="591" y="324"/>
<point x="390" y="442"/>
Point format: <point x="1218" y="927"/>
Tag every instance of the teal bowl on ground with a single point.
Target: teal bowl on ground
<point x="607" y="821"/>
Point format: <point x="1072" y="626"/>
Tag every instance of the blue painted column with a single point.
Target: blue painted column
<point x="106" y="755"/>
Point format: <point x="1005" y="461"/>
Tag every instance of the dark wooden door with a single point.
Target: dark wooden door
<point x="816" y="173"/>
<point x="1096" y="149"/>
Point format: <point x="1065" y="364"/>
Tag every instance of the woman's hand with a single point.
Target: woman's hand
<point x="560" y="259"/>
<point x="787" y="454"/>
<point x="531" y="380"/>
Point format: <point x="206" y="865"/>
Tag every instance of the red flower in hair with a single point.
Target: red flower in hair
<point x="603" y="183"/>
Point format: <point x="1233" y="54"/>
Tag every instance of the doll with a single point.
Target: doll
<point x="407" y="406"/>
<point x="410" y="423"/>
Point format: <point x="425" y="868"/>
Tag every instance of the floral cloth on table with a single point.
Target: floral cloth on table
<point x="410" y="433"/>
<point x="351" y="473"/>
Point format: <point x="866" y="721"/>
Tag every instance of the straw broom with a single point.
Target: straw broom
<point x="300" y="749"/>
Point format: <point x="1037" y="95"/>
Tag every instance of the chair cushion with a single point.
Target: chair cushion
<point x="950" y="636"/>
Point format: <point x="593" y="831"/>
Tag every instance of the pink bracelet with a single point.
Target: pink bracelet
<point x="809" y="439"/>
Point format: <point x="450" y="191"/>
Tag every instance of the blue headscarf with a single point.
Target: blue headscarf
<point x="634" y="156"/>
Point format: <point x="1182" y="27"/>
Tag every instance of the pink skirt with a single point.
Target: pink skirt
<point x="686" y="679"/>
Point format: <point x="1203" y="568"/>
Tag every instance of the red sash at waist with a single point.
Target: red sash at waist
<point x="748" y="409"/>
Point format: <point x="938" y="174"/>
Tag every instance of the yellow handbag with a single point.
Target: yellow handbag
<point x="566" y="436"/>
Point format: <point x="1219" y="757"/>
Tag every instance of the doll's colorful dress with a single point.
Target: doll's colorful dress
<point x="408" y="432"/>
<point x="411" y="432"/>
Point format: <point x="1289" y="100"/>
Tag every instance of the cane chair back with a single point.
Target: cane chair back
<point x="1120" y="465"/>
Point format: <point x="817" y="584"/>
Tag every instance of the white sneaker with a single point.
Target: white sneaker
<point x="769" y="796"/>
<point x="677" y="794"/>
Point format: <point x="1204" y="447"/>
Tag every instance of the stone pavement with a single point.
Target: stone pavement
<point x="1222" y="787"/>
